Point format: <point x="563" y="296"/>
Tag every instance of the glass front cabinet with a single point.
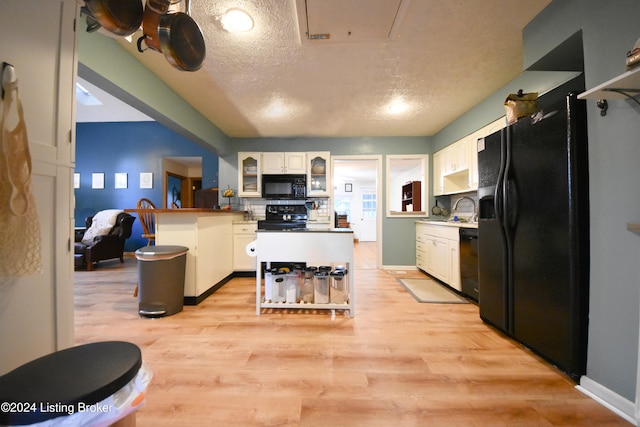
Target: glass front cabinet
<point x="249" y="175"/>
<point x="318" y="174"/>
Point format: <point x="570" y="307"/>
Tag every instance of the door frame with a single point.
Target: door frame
<point x="379" y="164"/>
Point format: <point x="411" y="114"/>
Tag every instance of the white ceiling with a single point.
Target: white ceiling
<point x="441" y="57"/>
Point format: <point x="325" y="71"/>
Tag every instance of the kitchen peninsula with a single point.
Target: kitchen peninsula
<point x="208" y="233"/>
<point x="315" y="247"/>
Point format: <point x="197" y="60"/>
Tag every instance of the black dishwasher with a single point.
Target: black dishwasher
<point x="469" y="262"/>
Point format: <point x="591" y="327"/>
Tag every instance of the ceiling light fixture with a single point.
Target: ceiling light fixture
<point x="398" y="106"/>
<point x="237" y="20"/>
<point x="276" y="109"/>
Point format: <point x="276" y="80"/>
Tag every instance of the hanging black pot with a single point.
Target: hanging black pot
<point x="176" y="35"/>
<point x="120" y="17"/>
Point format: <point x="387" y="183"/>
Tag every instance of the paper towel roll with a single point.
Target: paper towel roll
<point x="251" y="249"/>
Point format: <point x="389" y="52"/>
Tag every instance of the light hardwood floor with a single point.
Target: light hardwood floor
<point x="397" y="362"/>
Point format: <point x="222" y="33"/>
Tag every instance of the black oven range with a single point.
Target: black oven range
<point x="284" y="217"/>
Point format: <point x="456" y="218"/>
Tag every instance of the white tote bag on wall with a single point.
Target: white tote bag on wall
<point x="20" y="248"/>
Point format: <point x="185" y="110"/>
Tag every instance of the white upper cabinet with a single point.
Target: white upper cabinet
<point x="455" y="157"/>
<point x="318" y="173"/>
<point x="455" y="167"/>
<point x="249" y="174"/>
<point x="288" y="163"/>
<point x="438" y="175"/>
<point x="473" y="159"/>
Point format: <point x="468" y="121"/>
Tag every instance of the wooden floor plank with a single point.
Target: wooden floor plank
<point x="397" y="362"/>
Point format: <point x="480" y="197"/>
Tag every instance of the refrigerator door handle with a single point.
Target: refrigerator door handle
<point x="508" y="234"/>
<point x="505" y="179"/>
<point x="510" y="192"/>
<point x="511" y="215"/>
<point x="498" y="193"/>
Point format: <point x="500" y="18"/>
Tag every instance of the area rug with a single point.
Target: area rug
<point x="430" y="291"/>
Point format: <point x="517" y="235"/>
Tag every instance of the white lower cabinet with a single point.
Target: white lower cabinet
<point x="437" y="252"/>
<point x="243" y="233"/>
<point x="438" y="257"/>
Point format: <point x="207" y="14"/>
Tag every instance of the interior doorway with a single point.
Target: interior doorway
<point x="357" y="196"/>
<point x="181" y="191"/>
<point x="182" y="178"/>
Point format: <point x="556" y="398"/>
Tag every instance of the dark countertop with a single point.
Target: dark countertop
<point x="308" y="230"/>
<point x="185" y="210"/>
<point x="458" y="224"/>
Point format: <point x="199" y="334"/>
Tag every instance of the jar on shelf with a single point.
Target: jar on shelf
<point x="321" y="287"/>
<point x="268" y="284"/>
<point x="291" y="288"/>
<point x="300" y="272"/>
<point x="339" y="287"/>
<point x="306" y="290"/>
<point x="278" y="291"/>
<point x="310" y="272"/>
<point x="325" y="268"/>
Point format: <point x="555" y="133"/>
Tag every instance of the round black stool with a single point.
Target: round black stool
<point x="60" y="383"/>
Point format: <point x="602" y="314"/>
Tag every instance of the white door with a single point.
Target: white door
<point x="368" y="207"/>
<point x="37" y="37"/>
<point x="355" y="183"/>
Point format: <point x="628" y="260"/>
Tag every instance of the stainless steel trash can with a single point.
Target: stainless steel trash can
<point x="161" y="271"/>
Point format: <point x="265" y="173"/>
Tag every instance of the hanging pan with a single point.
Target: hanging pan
<point x="436" y="209"/>
<point x="176" y="35"/>
<point x="120" y="17"/>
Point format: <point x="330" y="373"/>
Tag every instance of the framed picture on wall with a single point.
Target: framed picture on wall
<point x="146" y="180"/>
<point x="348" y="188"/>
<point x="97" y="181"/>
<point x="121" y="180"/>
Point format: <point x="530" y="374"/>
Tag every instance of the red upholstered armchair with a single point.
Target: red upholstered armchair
<point x="108" y="243"/>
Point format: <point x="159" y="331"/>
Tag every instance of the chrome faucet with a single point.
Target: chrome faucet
<point x="475" y="213"/>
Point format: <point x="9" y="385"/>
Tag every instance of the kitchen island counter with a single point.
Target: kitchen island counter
<point x="208" y="233"/>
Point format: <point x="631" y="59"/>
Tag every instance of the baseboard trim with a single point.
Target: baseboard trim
<point x="197" y="300"/>
<point x="399" y="267"/>
<point x="608" y="398"/>
<point x="203" y="296"/>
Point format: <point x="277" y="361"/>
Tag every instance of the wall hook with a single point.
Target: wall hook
<point x="603" y="105"/>
<point x="8" y="75"/>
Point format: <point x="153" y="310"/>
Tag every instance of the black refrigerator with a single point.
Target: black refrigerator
<point x="533" y="228"/>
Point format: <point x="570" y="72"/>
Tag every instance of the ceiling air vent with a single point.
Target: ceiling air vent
<point x="340" y="21"/>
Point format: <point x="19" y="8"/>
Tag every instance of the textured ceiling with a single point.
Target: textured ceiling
<point x="441" y="57"/>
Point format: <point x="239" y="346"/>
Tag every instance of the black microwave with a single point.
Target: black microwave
<point x="290" y="187"/>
